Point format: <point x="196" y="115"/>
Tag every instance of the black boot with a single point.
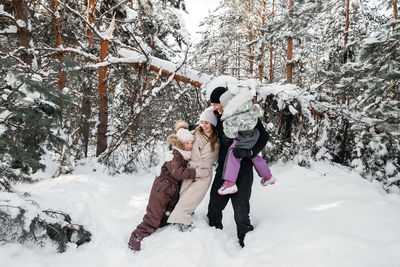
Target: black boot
<point x="216" y="225"/>
<point x="241" y="239"/>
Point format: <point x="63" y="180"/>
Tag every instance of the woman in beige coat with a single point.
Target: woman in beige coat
<point x="204" y="152"/>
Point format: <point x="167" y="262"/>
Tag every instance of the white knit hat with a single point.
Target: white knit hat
<point x="208" y="115"/>
<point x="185" y="135"/>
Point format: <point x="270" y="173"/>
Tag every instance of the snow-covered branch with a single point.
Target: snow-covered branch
<point x="69" y="50"/>
<point x="4" y="14"/>
<point x="92" y="27"/>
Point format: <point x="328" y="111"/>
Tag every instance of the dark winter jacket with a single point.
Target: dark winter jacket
<point x="176" y="169"/>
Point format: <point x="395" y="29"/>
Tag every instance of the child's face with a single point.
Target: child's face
<point x="218" y="107"/>
<point x="206" y="126"/>
<point x="188" y="145"/>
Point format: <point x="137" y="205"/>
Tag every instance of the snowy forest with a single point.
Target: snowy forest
<point x="105" y="81"/>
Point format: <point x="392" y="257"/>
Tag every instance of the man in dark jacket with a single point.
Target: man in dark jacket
<point x="240" y="200"/>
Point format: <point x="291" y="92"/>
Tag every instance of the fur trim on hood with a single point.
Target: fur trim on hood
<point x="173" y="140"/>
<point x="181" y="124"/>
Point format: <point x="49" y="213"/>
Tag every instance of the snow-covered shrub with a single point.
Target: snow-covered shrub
<point x="376" y="156"/>
<point x="22" y="220"/>
<point x="303" y="128"/>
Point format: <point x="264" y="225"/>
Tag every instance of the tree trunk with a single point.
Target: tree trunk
<point x="86" y="107"/>
<point x="24" y="36"/>
<point x="91" y="18"/>
<point x="346" y="32"/>
<point x="289" y="52"/>
<point x="58" y="38"/>
<point x="286" y="120"/>
<point x="262" y="49"/>
<point x="251" y="57"/>
<point x="395" y="17"/>
<point x="103" y="101"/>
<point x="238" y="58"/>
<point x="251" y="38"/>
<point x="342" y="154"/>
<point x="271" y="47"/>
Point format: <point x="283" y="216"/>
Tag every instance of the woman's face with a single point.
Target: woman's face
<point x="206" y="126"/>
<point x="188" y="145"/>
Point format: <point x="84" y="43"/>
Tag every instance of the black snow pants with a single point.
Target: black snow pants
<point x="240" y="200"/>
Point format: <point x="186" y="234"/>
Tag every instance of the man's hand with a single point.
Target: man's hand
<point x="242" y="153"/>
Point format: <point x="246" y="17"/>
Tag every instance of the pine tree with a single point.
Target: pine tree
<point x="30" y="116"/>
<point x="378" y="106"/>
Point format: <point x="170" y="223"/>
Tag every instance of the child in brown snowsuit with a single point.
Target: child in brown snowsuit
<point x="165" y="190"/>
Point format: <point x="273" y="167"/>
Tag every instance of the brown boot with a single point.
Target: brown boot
<point x="134" y="242"/>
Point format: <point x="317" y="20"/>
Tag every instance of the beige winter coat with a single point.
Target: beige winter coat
<point x="193" y="191"/>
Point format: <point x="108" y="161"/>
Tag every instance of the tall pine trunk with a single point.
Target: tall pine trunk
<point x="286" y="120"/>
<point x="346" y="31"/>
<point x="103" y="97"/>
<point x="289" y="52"/>
<point x="261" y="50"/>
<point x="86" y="108"/>
<point x="91" y="19"/>
<point x="271" y="48"/>
<point x="86" y="104"/>
<point x="251" y="57"/>
<point x="24" y="36"/>
<point x="395" y="17"/>
<point x="342" y="153"/>
<point x="58" y="37"/>
<point x="251" y="38"/>
<point x="103" y="101"/>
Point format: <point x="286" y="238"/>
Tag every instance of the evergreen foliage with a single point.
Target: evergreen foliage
<point x="22" y="221"/>
<point x="347" y="113"/>
<point x="343" y="105"/>
<point x="36" y="118"/>
<point x="30" y="115"/>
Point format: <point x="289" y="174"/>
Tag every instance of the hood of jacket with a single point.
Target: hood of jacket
<point x="238" y="103"/>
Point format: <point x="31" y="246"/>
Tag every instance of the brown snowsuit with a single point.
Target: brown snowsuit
<point x="163" y="197"/>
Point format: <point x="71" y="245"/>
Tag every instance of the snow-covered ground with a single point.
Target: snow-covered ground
<point x="322" y="216"/>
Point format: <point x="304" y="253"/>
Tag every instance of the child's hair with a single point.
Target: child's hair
<point x="213" y="135"/>
<point x="173" y="139"/>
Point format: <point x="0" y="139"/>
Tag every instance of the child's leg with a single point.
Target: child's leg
<point x="168" y="210"/>
<point x="261" y="167"/>
<point x="231" y="171"/>
<point x="160" y="197"/>
<point x="232" y="166"/>
<point x="263" y="171"/>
